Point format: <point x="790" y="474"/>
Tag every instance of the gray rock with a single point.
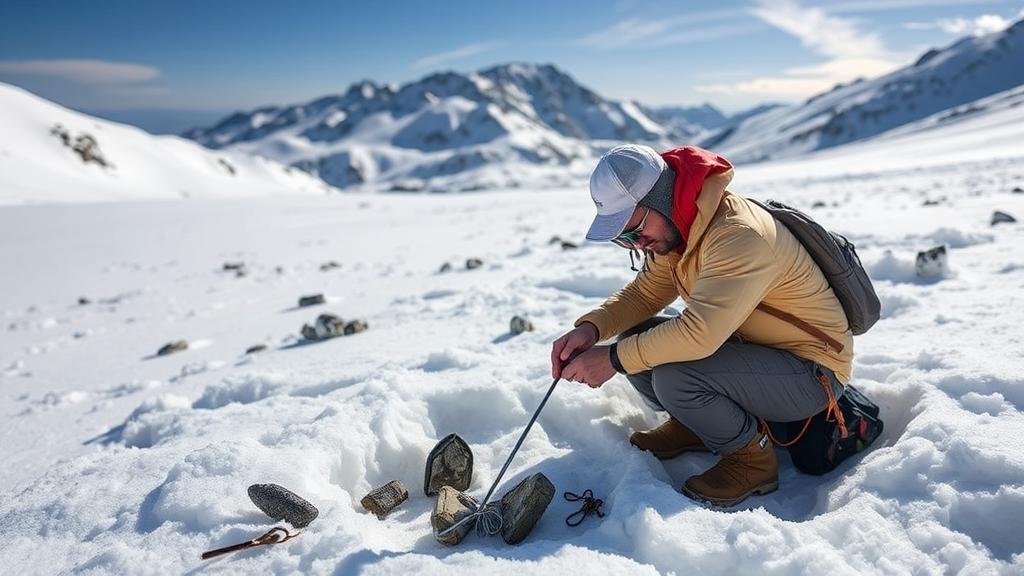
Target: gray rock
<point x="255" y="349"/>
<point x="450" y="507"/>
<point x="450" y="463"/>
<point x="446" y="267"/>
<point x="281" y="503"/>
<point x="555" y="240"/>
<point x="523" y="506"/>
<point x="1018" y="190"/>
<point x="326" y="326"/>
<point x="566" y="245"/>
<point x="233" y="266"/>
<point x="83" y="301"/>
<point x="172" y="347"/>
<point x="931" y="263"/>
<point x="332" y="265"/>
<point x="381" y="501"/>
<point x="355" y="327"/>
<point x="819" y="204"/>
<point x="1002" y="218"/>
<point x="473" y="263"/>
<point x="311" y="300"/>
<point x="518" y="325"/>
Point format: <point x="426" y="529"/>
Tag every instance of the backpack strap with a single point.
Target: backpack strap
<point x="787" y="317"/>
<point x="832" y="410"/>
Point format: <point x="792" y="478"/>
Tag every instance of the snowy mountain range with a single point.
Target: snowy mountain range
<point x="506" y="126"/>
<point x="970" y="69"/>
<point x="49" y="153"/>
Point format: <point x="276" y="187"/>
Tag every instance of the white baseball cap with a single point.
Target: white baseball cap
<point x="623" y="176"/>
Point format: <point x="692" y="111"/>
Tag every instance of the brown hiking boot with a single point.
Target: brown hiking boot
<point x="668" y="440"/>
<point x="749" y="470"/>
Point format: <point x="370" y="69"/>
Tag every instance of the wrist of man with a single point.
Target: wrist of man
<point x="613" y="354"/>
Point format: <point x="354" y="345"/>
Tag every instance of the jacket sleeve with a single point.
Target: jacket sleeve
<point x="648" y="293"/>
<point x="737" y="269"/>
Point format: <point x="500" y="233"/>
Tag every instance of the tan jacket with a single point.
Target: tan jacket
<point x="737" y="256"/>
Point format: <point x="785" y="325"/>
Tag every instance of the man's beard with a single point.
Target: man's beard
<point x="670" y="243"/>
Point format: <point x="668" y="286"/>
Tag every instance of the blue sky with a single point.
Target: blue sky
<point x="226" y="55"/>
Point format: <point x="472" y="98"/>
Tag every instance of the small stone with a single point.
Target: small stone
<point x="450" y="463"/>
<point x="446" y="267"/>
<point x="819" y="204"/>
<point x="518" y="325"/>
<point x="381" y="501"/>
<point x="230" y="266"/>
<point x="332" y="265"/>
<point x="523" y="506"/>
<point x="999" y="217"/>
<point x="555" y="240"/>
<point x="1018" y="190"/>
<point x="934" y="201"/>
<point x="255" y="349"/>
<point x="326" y="326"/>
<point x="355" y="327"/>
<point x="311" y="300"/>
<point x="308" y="332"/>
<point x="241" y="273"/>
<point x="450" y="507"/>
<point x="473" y="263"/>
<point x="281" y="503"/>
<point x="566" y="245"/>
<point x="931" y="263"/>
<point x="83" y="301"/>
<point x="172" y="347"/>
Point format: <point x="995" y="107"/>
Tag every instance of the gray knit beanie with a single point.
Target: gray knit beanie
<point x="659" y="198"/>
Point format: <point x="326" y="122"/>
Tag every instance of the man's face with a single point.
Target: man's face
<point x="658" y="234"/>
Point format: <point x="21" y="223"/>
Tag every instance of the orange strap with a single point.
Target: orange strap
<point x="831" y="409"/>
<point x="787" y="317"/>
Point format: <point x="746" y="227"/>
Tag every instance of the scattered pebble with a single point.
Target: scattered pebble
<point x="519" y="324"/>
<point x="932" y="263"/>
<point x="311" y="300"/>
<point x="446" y="267"/>
<point x="233" y="266"/>
<point x="255" y="349"/>
<point x="999" y="217"/>
<point x="566" y="245"/>
<point x="355" y="327"/>
<point x="332" y="265"/>
<point x="473" y="263"/>
<point x="172" y="347"/>
<point x="819" y="204"/>
<point x="83" y="301"/>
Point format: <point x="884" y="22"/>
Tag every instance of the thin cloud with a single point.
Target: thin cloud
<point x="639" y="32"/>
<point x="979" y="26"/>
<point x="82" y="70"/>
<point x="460" y="53"/>
<point x="890" y="5"/>
<point x="849" y="53"/>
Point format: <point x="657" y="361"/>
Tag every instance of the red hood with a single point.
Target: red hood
<point x="692" y="166"/>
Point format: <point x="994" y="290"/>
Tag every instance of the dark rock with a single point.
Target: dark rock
<point x="1002" y="218"/>
<point x="233" y="266"/>
<point x="450" y="463"/>
<point x="819" y="204"/>
<point x="241" y="273"/>
<point x="523" y="506"/>
<point x="172" y="347"/>
<point x="326" y="326"/>
<point x="381" y="501"/>
<point x="473" y="263"/>
<point x="518" y="325"/>
<point x="332" y="265"/>
<point x="1018" y="190"/>
<point x="566" y="245"/>
<point x="446" y="267"/>
<point x="255" y="349"/>
<point x="555" y="240"/>
<point x="355" y="327"/>
<point x="282" y="504"/>
<point x="450" y="507"/>
<point x="311" y="300"/>
<point x="931" y="263"/>
<point x="934" y="201"/>
<point x="227" y="166"/>
<point x="83" y="301"/>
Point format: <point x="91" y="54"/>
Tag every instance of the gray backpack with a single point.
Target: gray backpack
<point x="838" y="260"/>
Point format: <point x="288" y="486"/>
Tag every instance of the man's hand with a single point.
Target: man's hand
<point x="593" y="367"/>
<point x="571" y="343"/>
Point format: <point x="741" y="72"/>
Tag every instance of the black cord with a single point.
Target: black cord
<point x="590" y="504"/>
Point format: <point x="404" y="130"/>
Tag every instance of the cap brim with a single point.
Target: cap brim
<point x="605" y="228"/>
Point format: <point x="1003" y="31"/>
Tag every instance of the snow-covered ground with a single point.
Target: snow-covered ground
<point x="118" y="461"/>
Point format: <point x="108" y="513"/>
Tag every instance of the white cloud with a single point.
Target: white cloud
<point x="979" y="26"/>
<point x="640" y="32"/>
<point x="462" y="52"/>
<point x="849" y="53"/>
<point x="82" y="70"/>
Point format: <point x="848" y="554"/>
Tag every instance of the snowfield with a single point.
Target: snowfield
<point x="120" y="461"/>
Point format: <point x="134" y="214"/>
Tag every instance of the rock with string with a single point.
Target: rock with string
<point x="451" y="507"/>
<point x="281" y="503"/>
<point x="450" y="463"/>
<point x="523" y="506"/>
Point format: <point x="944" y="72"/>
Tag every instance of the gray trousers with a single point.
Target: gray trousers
<point x="722" y="396"/>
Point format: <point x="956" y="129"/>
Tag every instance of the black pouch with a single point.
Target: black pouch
<point x="822" y="447"/>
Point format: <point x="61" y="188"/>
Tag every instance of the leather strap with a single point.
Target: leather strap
<point x="787" y="317"/>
